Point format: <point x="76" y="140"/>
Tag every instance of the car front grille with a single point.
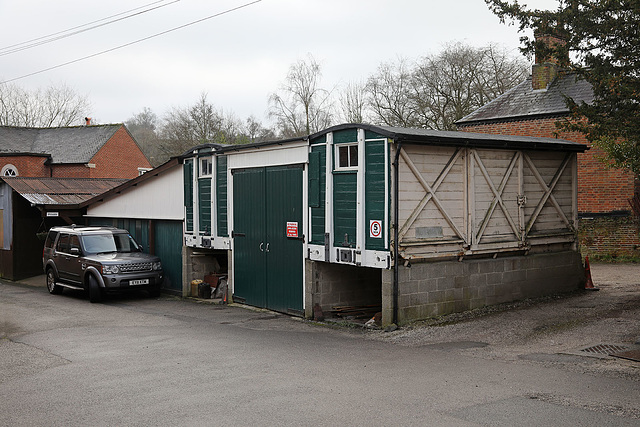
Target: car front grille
<point x="135" y="268"/>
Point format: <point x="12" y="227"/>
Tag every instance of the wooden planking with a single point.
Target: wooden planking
<point x="431" y="184"/>
<point x="478" y="186"/>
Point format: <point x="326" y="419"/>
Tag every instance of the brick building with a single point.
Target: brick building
<point x="608" y="226"/>
<point x="103" y="151"/>
<point x="44" y="175"/>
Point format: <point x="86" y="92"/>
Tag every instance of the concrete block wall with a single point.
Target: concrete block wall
<point x="337" y="284"/>
<point x="433" y="289"/>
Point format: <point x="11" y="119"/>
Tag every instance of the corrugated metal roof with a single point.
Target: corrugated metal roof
<point x="76" y="144"/>
<point x="60" y="191"/>
<point x="522" y="101"/>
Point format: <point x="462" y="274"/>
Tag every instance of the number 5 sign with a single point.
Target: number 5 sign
<point x="375" y="228"/>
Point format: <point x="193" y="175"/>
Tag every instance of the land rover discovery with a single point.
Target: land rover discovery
<point x="98" y="260"/>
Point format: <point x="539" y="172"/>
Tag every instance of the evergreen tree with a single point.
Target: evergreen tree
<point x="603" y="48"/>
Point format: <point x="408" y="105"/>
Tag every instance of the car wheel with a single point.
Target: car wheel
<point x="95" y="293"/>
<point x="51" y="283"/>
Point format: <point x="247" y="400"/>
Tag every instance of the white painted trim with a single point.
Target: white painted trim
<point x="387" y="226"/>
<point x="360" y="201"/>
<point x="287" y="154"/>
<point x="328" y="190"/>
<point x="214" y="197"/>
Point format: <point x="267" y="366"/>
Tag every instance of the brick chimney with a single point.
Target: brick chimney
<point x="547" y="65"/>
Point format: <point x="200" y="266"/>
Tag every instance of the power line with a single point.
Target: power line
<point x="61" y="34"/>
<point x="133" y="42"/>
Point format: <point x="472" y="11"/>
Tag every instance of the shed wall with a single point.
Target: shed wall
<point x="159" y="198"/>
<point x="466" y="201"/>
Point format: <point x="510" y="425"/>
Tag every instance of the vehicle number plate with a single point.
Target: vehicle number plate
<point x="138" y="282"/>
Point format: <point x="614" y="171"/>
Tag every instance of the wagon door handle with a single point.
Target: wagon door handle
<point x="261" y="246"/>
<point x="267" y="247"/>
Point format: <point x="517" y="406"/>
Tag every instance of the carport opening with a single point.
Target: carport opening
<point x="207" y="266"/>
<point x="346" y="292"/>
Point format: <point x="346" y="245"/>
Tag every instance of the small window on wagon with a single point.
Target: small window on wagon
<point x="206" y="166"/>
<point x="347" y="156"/>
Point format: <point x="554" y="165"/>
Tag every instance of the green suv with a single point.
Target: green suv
<point x="99" y="260"/>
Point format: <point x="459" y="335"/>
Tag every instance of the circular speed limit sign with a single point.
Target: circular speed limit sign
<point x="375" y="228"/>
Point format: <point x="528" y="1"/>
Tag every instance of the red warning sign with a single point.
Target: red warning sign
<point x="292" y="229"/>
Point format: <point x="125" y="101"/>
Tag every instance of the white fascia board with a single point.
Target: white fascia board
<point x="289" y="154"/>
<point x="160" y="198"/>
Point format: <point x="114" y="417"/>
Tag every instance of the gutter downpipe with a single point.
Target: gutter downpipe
<point x="396" y="211"/>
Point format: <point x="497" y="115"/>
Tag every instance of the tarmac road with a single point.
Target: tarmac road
<point x="166" y="361"/>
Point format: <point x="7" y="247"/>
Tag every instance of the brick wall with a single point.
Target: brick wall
<point x="71" y="171"/>
<point x="120" y="157"/>
<point x="600" y="189"/>
<point x="26" y="165"/>
<point x="614" y="238"/>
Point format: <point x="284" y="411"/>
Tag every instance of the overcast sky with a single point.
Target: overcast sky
<point x="237" y="58"/>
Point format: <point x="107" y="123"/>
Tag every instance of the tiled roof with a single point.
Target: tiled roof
<point x="76" y="144"/>
<point x="524" y="102"/>
<point x="60" y="191"/>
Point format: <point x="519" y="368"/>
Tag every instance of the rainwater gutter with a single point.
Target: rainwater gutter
<point x="396" y="211"/>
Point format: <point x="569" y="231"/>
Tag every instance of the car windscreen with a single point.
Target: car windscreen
<point x="106" y="243"/>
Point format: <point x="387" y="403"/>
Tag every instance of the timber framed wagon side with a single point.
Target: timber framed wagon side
<point x="478" y="220"/>
<point x="245" y="218"/>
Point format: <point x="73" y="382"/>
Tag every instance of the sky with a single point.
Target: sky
<point x="237" y="57"/>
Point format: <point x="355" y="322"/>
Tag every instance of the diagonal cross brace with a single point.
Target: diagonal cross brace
<point x="497" y="194"/>
<point x="431" y="191"/>
<point x="548" y="190"/>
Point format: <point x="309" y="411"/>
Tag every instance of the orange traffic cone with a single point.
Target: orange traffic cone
<point x="587" y="270"/>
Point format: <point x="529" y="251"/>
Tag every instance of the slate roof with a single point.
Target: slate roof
<point x="524" y="102"/>
<point x="77" y="144"/>
<point x="60" y="191"/>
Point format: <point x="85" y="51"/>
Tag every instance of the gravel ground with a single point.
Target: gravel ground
<point x="550" y="331"/>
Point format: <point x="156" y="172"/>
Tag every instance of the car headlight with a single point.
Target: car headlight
<point x="110" y="269"/>
<point x="157" y="265"/>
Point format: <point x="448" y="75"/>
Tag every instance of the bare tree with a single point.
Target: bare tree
<point x="353" y="103"/>
<point x="200" y="123"/>
<point x="206" y="120"/>
<point x="301" y="107"/>
<point x="256" y="132"/>
<point x="440" y="89"/>
<point x="51" y="107"/>
<point x="143" y="126"/>
<point x="389" y="93"/>
<point x="460" y="79"/>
